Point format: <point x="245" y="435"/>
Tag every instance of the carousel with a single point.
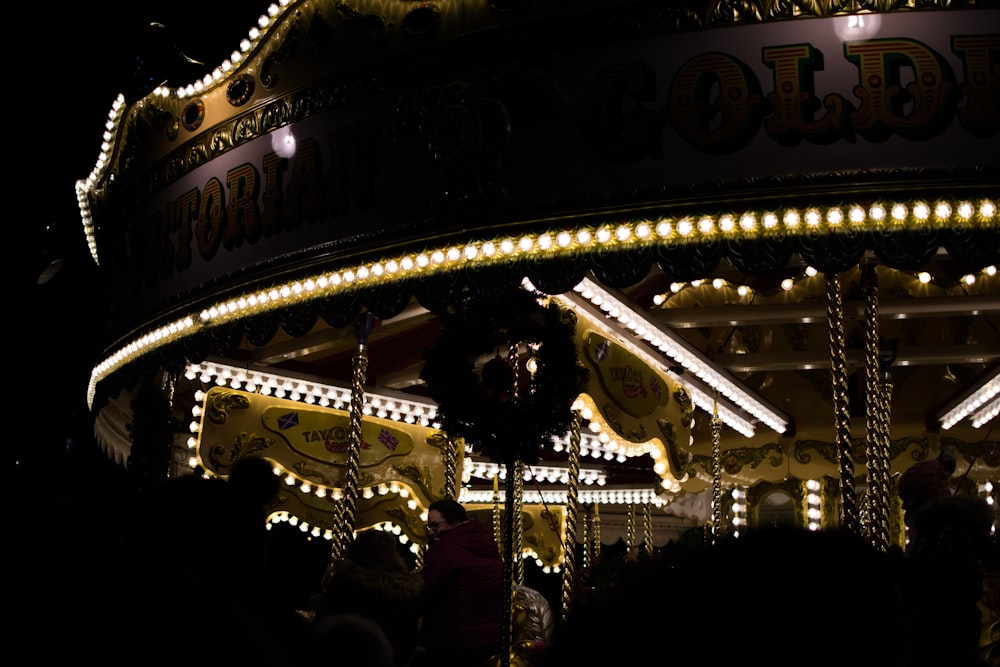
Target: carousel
<point x="604" y="271"/>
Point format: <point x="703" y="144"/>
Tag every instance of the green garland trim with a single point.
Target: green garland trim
<point x="496" y="419"/>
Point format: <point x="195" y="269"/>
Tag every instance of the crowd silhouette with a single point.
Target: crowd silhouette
<point x="189" y="574"/>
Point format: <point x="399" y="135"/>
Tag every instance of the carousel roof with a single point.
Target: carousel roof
<point x="724" y="285"/>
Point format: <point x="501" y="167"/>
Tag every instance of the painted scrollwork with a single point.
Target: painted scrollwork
<point x="610" y="414"/>
<point x="419" y="475"/>
<point x="734" y="460"/>
<point x="684" y="402"/>
<point x="829" y="452"/>
<point x="222" y="457"/>
<point x="221" y="403"/>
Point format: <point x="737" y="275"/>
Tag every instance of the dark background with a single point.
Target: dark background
<point x="71" y="64"/>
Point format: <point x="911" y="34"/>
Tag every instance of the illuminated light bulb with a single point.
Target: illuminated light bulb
<point x="283" y="142"/>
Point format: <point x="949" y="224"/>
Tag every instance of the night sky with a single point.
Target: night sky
<point x="71" y="65"/>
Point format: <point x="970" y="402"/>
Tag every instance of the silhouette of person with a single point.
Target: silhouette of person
<point x="463" y="594"/>
<point x="374" y="581"/>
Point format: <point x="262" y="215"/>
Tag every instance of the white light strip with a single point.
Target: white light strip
<point x="604" y="496"/>
<point x="987" y="414"/>
<point x="397" y="407"/>
<point x="739" y="495"/>
<point x="682" y="352"/>
<point x="988" y="389"/>
<point x="814" y="505"/>
<point x="483" y="469"/>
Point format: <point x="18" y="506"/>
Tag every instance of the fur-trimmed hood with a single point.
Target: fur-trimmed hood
<point x="390" y="585"/>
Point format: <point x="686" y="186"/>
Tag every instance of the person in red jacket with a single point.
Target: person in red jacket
<point x="463" y="590"/>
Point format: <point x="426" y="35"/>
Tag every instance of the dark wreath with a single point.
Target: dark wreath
<point x="496" y="417"/>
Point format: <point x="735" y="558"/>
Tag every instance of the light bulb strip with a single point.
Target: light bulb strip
<point x="988" y="413"/>
<point x="549" y="473"/>
<point x="976" y="399"/>
<point x="538" y="247"/>
<point x="604" y="496"/>
<point x="396" y="407"/>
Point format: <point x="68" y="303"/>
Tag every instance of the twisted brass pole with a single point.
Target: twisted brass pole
<point x="884" y="458"/>
<point x="630" y="532"/>
<point x="451" y="467"/>
<point x="572" y="513"/>
<point x="841" y="407"/>
<point x="510" y="490"/>
<point x="497" y="535"/>
<point x="518" y="550"/>
<point x="647" y="528"/>
<point x="716" y="474"/>
<point x="596" y="523"/>
<point x="360" y="370"/>
<point x="170" y="387"/>
<point x="877" y="483"/>
<point x="588" y="531"/>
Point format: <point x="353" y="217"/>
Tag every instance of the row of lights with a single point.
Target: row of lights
<point x="603" y="496"/>
<point x="539" y="246"/>
<point x="114" y="121"/>
<point x="814" y="505"/>
<point x="739" y="509"/>
<point x="481" y="469"/>
<point x="746" y="293"/>
<point x="407" y="410"/>
<point x="983" y="404"/>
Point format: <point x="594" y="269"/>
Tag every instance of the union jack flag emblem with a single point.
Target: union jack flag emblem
<point x="388" y="439"/>
<point x="602" y="350"/>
